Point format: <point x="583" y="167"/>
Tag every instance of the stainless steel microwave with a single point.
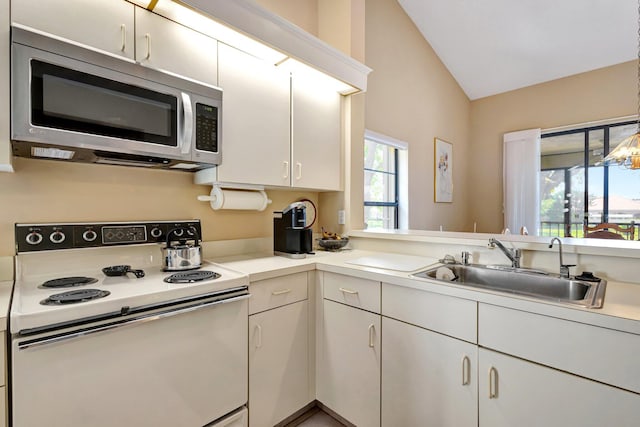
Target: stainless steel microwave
<point x="73" y="103"/>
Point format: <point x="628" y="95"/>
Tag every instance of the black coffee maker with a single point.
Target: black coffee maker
<point x="291" y="238"/>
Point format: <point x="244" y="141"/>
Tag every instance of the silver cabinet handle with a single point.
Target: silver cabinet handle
<point x="282" y="292"/>
<point x="493" y="383"/>
<point x="348" y="291"/>
<point x="466" y="370"/>
<point x="148" y="39"/>
<point x="372" y="331"/>
<point x="258" y="330"/>
<point x="299" y="168"/>
<point x="286" y="170"/>
<point x="123" y="32"/>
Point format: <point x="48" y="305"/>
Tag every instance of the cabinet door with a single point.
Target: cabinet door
<point x="278" y="364"/>
<point x="105" y="25"/>
<point x="427" y="378"/>
<point x="525" y="394"/>
<point x="256" y="120"/>
<point x="349" y="363"/>
<point x="162" y="44"/>
<point x="317" y="136"/>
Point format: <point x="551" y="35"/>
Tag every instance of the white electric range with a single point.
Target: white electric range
<point x="163" y="352"/>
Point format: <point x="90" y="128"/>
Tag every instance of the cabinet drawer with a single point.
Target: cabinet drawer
<point x="271" y="293"/>
<point x="601" y="354"/>
<point x="361" y="293"/>
<point x="447" y="315"/>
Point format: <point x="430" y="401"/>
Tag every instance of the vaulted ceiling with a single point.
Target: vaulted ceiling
<point x="494" y="46"/>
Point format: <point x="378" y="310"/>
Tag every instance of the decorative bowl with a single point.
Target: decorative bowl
<point x="333" y="244"/>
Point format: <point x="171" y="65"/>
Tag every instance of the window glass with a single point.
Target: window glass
<point x="380" y="185"/>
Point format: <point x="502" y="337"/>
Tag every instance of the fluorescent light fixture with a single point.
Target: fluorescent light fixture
<point x="310" y="75"/>
<point x="201" y="23"/>
<point x="52" y="153"/>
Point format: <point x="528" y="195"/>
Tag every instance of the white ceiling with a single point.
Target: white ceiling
<point x="493" y="46"/>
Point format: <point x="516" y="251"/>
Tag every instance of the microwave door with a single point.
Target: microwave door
<point x="62" y="101"/>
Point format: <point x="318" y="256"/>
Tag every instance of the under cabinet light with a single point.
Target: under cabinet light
<point x="317" y="78"/>
<point x="52" y="153"/>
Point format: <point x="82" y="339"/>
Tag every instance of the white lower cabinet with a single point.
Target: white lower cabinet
<point x="349" y="363"/>
<point x="278" y="363"/>
<point x="428" y="378"/>
<point x="514" y="392"/>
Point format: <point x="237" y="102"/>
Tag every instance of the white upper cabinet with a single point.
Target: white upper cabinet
<point x="5" y="90"/>
<point x="255" y="120"/>
<point x="105" y="25"/>
<point x="162" y="44"/>
<point x="317" y="136"/>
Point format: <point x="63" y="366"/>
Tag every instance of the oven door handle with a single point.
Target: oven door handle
<point x="132" y="322"/>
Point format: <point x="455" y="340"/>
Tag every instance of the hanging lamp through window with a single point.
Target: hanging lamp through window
<point x="627" y="153"/>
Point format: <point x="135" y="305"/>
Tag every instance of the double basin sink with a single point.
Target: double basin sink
<point x="586" y="292"/>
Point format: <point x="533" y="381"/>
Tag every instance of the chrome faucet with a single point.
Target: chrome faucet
<point x="513" y="254"/>
<point x="564" y="268"/>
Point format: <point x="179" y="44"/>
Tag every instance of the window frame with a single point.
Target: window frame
<point x="586" y="131"/>
<point x="395" y="204"/>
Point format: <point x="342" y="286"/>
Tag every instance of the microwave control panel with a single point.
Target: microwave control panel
<point x="206" y="128"/>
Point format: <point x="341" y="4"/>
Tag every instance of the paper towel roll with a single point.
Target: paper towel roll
<point x="236" y="199"/>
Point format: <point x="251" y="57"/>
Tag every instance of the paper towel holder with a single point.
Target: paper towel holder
<point x="236" y="197"/>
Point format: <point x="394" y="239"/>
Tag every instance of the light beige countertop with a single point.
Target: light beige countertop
<point x="6" y="287"/>
<point x="621" y="310"/>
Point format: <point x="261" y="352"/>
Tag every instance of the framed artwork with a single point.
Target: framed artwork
<point x="443" y="170"/>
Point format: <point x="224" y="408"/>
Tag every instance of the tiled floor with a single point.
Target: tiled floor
<point x="318" y="419"/>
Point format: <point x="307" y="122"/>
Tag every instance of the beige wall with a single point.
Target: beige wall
<point x="51" y="191"/>
<point x="303" y="13"/>
<point x="412" y="97"/>
<point x="601" y="94"/>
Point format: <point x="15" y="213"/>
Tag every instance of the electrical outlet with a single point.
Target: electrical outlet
<point x="341" y="215"/>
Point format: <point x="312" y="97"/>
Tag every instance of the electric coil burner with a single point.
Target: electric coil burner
<point x="69" y="282"/>
<point x="192" y="276"/>
<point x="76" y="296"/>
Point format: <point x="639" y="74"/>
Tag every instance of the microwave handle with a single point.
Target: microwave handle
<point x="187" y="125"/>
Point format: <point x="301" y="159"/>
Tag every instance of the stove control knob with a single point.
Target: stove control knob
<point x="179" y="232"/>
<point x="156" y="232"/>
<point x="89" y="236"/>
<point x="57" y="237"/>
<point x="34" y="238"/>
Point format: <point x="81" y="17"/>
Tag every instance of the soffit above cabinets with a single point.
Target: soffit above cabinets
<point x="267" y="35"/>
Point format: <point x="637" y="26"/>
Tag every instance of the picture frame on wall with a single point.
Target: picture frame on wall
<point x="443" y="171"/>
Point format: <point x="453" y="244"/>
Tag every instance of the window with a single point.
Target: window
<point x="381" y="188"/>
<point x="576" y="189"/>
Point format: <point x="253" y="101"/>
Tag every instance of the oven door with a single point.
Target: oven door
<point x="61" y="101"/>
<point x="182" y="366"/>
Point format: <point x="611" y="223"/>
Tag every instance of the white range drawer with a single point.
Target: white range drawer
<point x="353" y="291"/>
<point x="601" y="354"/>
<point x="447" y="315"/>
<point x="276" y="292"/>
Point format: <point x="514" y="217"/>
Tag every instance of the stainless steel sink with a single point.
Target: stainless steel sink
<point x="532" y="283"/>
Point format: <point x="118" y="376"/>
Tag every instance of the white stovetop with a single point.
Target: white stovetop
<point x="33" y="269"/>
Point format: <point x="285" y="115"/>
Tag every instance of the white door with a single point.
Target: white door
<point x="256" y="120"/>
<point x="317" y="136"/>
<point x="349" y="363"/>
<point x="278" y="364"/>
<point x="165" y="45"/>
<point x="514" y="392"/>
<point x="105" y="25"/>
<point x="427" y="378"/>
